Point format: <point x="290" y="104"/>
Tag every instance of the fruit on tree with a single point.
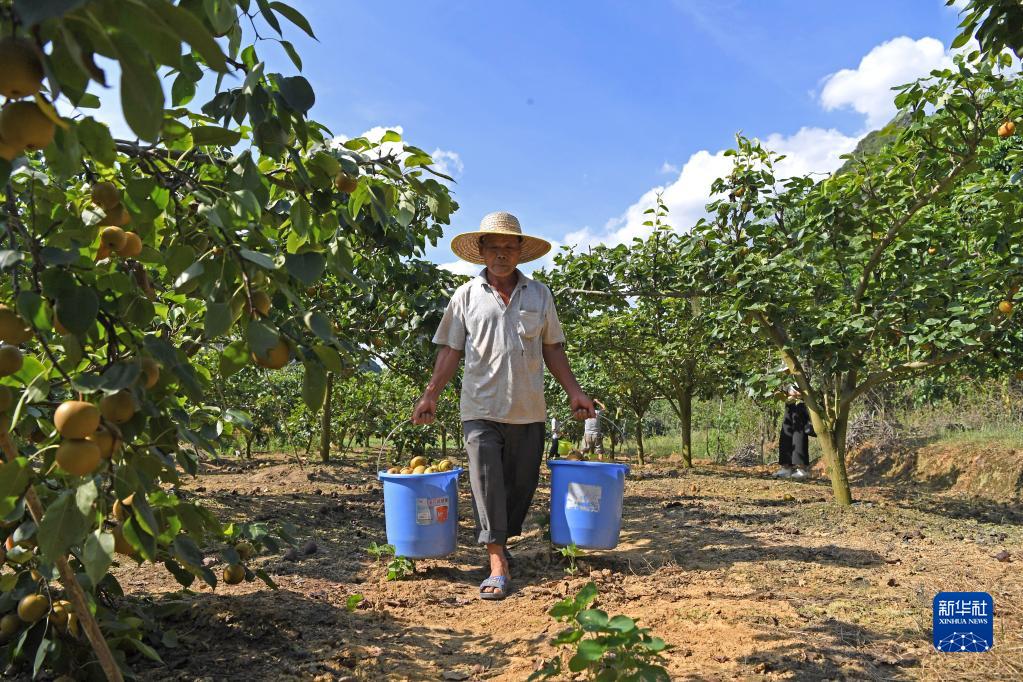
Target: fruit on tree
<point x="132" y="246"/>
<point x="150" y="372"/>
<point x="13" y="328"/>
<point x="23" y="124"/>
<point x="6" y="398"/>
<point x="121" y="544"/>
<point x="59" y="615"/>
<point x="275" y="358"/>
<point x="261" y="302"/>
<point x="112" y="237"/>
<point x="33" y="607"/>
<point x="11" y="360"/>
<point x="122" y="508"/>
<point x="104" y="440"/>
<point x="9" y="625"/>
<point x="118" y="407"/>
<point x="78" y="456"/>
<point x="8" y="151"/>
<point x="932" y="250"/>
<point x="22" y="75"/>
<point x="234" y="574"/>
<point x="1007" y="129"/>
<point x="346" y="183"/>
<point x="116" y="216"/>
<point x="76" y="419"/>
<point x="1005" y="308"/>
<point x="106" y="195"/>
<point x="245" y="550"/>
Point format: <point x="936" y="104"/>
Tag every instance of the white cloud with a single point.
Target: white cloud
<point x="461" y="267"/>
<point x="669" y="168"/>
<point x="867" y="89"/>
<point x="447" y="162"/>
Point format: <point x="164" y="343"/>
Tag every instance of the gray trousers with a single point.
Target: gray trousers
<point x="504" y="469"/>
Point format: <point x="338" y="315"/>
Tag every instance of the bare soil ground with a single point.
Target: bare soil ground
<point x="746" y="577"/>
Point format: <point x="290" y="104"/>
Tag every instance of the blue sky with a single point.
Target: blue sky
<point x="572" y="114"/>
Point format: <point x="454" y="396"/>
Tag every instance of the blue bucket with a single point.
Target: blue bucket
<point x="421" y="513"/>
<point x="586" y="503"/>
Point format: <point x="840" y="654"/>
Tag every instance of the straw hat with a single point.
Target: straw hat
<point x="467" y="245"/>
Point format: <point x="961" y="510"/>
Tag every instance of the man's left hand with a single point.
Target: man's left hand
<point x="582" y="406"/>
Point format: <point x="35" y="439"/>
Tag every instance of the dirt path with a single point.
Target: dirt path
<point x="746" y="577"/>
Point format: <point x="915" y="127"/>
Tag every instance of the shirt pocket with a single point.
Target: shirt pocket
<point x="529" y="324"/>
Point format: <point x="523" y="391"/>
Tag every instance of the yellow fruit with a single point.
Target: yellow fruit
<point x="1005" y="307"/>
<point x="234" y="574"/>
<point x="33" y="607"/>
<point x="105" y="441"/>
<point x="430" y="470"/>
<point x="11" y="360"/>
<point x="102" y="252"/>
<point x="132" y="246"/>
<point x="275" y="358"/>
<point x="1007" y="129"/>
<point x="118" y="407"/>
<point x="406" y="471"/>
<point x="245" y="550"/>
<point x="419" y="470"/>
<point x="72" y="625"/>
<point x="76" y="419"/>
<point x="6" y="398"/>
<point x="22" y="74"/>
<point x="9" y="625"/>
<point x="418" y="462"/>
<point x="121" y="544"/>
<point x="394" y="470"/>
<point x="106" y="195"/>
<point x="9" y="151"/>
<point x="78" y="456"/>
<point x="60" y="615"/>
<point x="24" y="124"/>
<point x="112" y="237"/>
<point x="346" y="183"/>
<point x="150" y="372"/>
<point x="116" y="216"/>
<point x="13" y="328"/>
<point x="261" y="302"/>
<point x="932" y="250"/>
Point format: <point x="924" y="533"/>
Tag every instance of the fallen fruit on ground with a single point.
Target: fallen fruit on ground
<point x="23" y="124"/>
<point x="11" y="360"/>
<point x="33" y="607"/>
<point x="118" y="407"/>
<point x="234" y="574"/>
<point x="78" y="456"/>
<point x="76" y="419"/>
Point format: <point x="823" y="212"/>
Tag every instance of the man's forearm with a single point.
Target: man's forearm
<point x="443" y="369"/>
<point x="557" y="362"/>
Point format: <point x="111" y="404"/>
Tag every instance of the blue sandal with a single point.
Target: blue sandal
<point x="499" y="583"/>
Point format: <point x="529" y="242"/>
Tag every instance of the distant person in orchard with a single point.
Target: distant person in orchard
<point x="506" y="326"/>
<point x="794" y="444"/>
<point x="593" y="436"/>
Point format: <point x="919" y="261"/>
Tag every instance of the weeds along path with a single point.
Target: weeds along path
<point x="744" y="576"/>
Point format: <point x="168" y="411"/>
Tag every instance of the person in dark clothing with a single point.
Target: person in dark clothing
<point x="794" y="444"/>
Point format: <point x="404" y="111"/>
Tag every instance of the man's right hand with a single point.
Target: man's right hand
<point x="424" y="411"/>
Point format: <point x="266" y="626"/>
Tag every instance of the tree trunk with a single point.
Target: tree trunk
<point x="325" y="419"/>
<point x="248" y="446"/>
<point x="832" y="440"/>
<point x="639" y="440"/>
<point x="444" y="442"/>
<point x="685" y="404"/>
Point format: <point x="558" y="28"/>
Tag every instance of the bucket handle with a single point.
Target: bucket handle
<point x="383" y="444"/>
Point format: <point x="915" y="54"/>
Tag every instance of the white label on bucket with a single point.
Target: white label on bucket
<point x="583" y="497"/>
<point x="431" y="510"/>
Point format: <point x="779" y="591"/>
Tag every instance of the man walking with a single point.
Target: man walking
<point x="506" y="326"/>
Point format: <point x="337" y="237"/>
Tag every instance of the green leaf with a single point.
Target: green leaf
<point x="353" y="602"/>
<point x="292" y="53"/>
<point x="329" y="357"/>
<point x="261" y="259"/>
<point x="586" y="595"/>
<point x="621" y="624"/>
<point x="297" y="93"/>
<point x="215" y="135"/>
<point x="191" y="30"/>
<point x="67" y="520"/>
<point x="98" y="554"/>
<point x="306" y="267"/>
<point x="265" y="577"/>
<point x="32" y="12"/>
<point x="45" y="647"/>
<point x="33" y="308"/>
<point x="9" y="258"/>
<point x="218" y="320"/>
<point x="588" y="651"/>
<point x="261" y="337"/>
<point x="76" y="308"/>
<point x="314" y="386"/>
<point x="141" y="92"/>
<point x="294" y="16"/>
<point x="592" y="619"/>
<point x="15" y="475"/>
<point x="97" y="140"/>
